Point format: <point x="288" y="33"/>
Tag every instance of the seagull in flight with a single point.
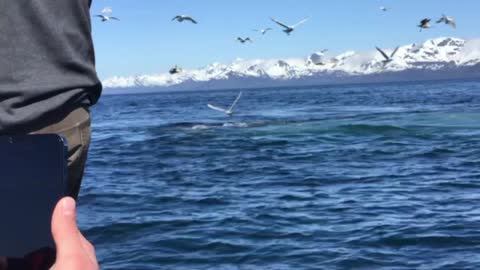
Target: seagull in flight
<point x="107" y="18"/>
<point x="243" y="40"/>
<point x="262" y="31"/>
<point x="425" y="24"/>
<point x="388" y="58"/>
<point x="175" y="70"/>
<point x="289" y="28"/>
<point x="384" y="9"/>
<point x="181" y="18"/>
<point x="447" y="20"/>
<point x="228" y="111"/>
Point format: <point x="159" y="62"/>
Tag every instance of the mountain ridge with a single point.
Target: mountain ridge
<point x="439" y="58"/>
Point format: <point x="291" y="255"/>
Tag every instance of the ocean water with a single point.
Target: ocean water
<point x="341" y="177"/>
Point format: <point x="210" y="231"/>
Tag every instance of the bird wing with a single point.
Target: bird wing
<point x="190" y="19"/>
<point x="235" y="102"/>
<point x="300" y="22"/>
<point x="383" y="53"/>
<point x="453" y="23"/>
<point x="176" y="18"/>
<point x="324" y="51"/>
<point x="442" y="19"/>
<point x="217" y="108"/>
<point x="114" y="18"/>
<point x="280" y="23"/>
<point x="100" y="16"/>
<point x="425" y="21"/>
<point x="394" y="52"/>
<point x="268" y="29"/>
<point x="240" y="39"/>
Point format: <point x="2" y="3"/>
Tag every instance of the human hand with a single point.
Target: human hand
<point x="74" y="252"/>
<point x="3" y="263"/>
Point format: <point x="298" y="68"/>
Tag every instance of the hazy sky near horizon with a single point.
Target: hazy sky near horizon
<point x="146" y="41"/>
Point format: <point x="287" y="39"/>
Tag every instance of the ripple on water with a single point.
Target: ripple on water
<point x="342" y="177"/>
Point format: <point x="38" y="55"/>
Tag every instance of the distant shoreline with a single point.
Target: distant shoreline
<point x="156" y="89"/>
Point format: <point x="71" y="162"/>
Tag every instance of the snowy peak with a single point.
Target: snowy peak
<point x="434" y="50"/>
<point x="434" y="55"/>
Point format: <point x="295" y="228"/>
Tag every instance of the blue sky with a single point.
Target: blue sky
<point x="146" y="41"/>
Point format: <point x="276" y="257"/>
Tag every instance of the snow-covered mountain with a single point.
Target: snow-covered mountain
<point x="440" y="58"/>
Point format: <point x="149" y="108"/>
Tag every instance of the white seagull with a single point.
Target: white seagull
<point x="388" y="58"/>
<point x="289" y="28"/>
<point x="447" y="20"/>
<point x="107" y="18"/>
<point x="384" y="9"/>
<point x="181" y="18"/>
<point x="243" y="40"/>
<point x="228" y="111"/>
<point x="262" y="31"/>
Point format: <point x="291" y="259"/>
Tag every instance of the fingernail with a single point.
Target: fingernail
<point x="68" y="206"/>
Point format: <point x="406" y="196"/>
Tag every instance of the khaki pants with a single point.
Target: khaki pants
<point x="75" y="127"/>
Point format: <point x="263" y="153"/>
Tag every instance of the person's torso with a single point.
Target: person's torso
<point x="47" y="62"/>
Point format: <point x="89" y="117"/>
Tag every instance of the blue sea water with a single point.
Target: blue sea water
<point x="340" y="177"/>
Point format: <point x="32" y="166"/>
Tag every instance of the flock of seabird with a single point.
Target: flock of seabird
<point x="287" y="29"/>
<point x="425" y="23"/>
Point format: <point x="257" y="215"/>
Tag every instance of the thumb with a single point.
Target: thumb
<point x="64" y="229"/>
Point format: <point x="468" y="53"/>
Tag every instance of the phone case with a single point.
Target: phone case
<point x="33" y="178"/>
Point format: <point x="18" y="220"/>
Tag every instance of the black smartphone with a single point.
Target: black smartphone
<point x="33" y="178"/>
